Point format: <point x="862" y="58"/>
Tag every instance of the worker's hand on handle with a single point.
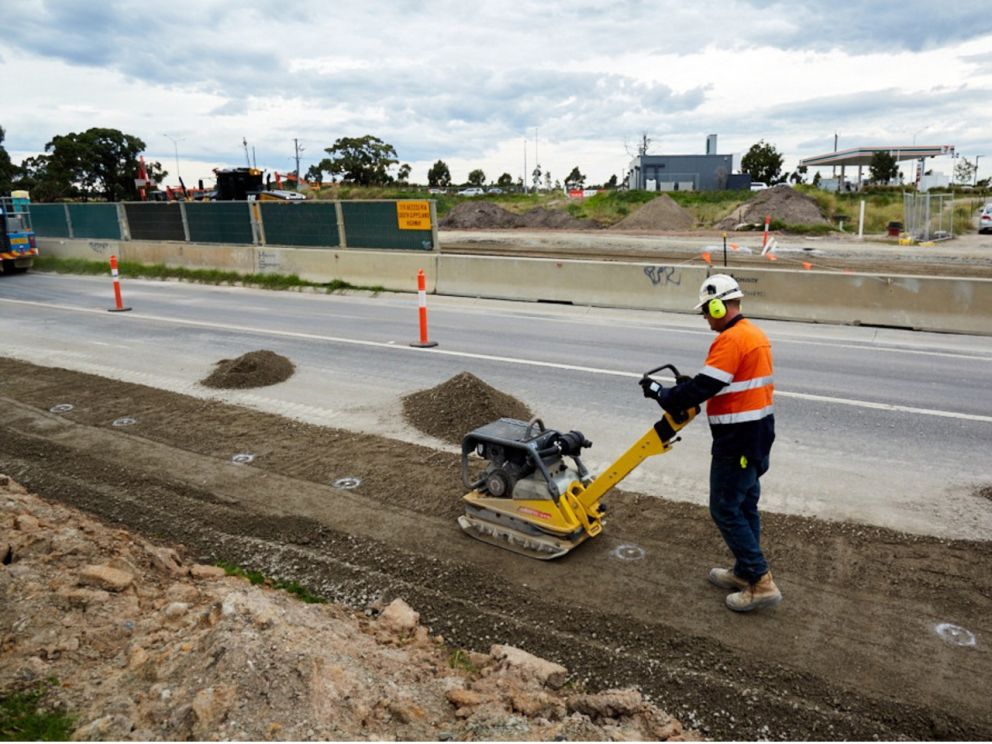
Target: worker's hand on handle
<point x="651" y="388"/>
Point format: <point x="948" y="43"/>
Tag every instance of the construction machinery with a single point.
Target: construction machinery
<point x="529" y="499"/>
<point x="18" y="246"/>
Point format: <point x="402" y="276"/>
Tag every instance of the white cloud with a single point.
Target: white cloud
<point x="469" y="82"/>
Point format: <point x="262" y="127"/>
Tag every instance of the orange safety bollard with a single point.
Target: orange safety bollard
<point x="117" y="289"/>
<point x="764" y="240"/>
<point x="422" y="300"/>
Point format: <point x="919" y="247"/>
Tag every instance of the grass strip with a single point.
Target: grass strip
<point x="258" y="578"/>
<point x="197" y="276"/>
<point x="23" y="717"/>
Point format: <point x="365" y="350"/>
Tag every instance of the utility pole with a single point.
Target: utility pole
<point x="526" y="176"/>
<point x="244" y="141"/>
<point x="977" y="157"/>
<point x="175" y="142"/>
<point x="296" y="146"/>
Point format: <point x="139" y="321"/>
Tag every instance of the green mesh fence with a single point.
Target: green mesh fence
<point x="94" y="221"/>
<point x="219" y="222"/>
<point x="155" y="221"/>
<point x="375" y="225"/>
<point x="300" y="223"/>
<point x="48" y="220"/>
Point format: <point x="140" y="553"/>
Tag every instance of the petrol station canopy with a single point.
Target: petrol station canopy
<point x="861" y="156"/>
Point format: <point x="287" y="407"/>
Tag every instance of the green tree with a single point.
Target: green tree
<point x="7" y="169"/>
<point x="403" y="174"/>
<point x="439" y="175"/>
<point x="97" y="162"/>
<point x="964" y="169"/>
<point x="505" y="181"/>
<point x="612" y="183"/>
<point x="360" y="160"/>
<point x="763" y="163"/>
<point x="476" y="177"/>
<point x="575" y="178"/>
<point x="315" y="174"/>
<point x="883" y="167"/>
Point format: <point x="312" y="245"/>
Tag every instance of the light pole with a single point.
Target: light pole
<point x="175" y="143"/>
<point x="977" y="158"/>
<point x="919" y="131"/>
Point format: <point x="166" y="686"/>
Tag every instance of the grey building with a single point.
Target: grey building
<point x="709" y="172"/>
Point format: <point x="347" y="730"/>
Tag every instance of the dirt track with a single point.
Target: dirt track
<point x="850" y="654"/>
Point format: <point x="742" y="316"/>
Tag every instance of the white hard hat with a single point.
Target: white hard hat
<point x="718" y="287"/>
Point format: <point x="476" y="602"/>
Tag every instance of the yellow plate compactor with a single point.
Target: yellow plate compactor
<point x="529" y="499"/>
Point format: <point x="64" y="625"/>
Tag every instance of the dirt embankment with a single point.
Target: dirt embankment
<point x="476" y="215"/>
<point x="661" y="213"/>
<point x="145" y="645"/>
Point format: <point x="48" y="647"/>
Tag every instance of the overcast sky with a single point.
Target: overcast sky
<point x="486" y="84"/>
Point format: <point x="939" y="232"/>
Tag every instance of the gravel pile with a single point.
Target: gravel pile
<point x="455" y="407"/>
<point x="251" y="370"/>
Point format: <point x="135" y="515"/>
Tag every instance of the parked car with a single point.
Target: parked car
<point x="472" y="191"/>
<point x="985" y="219"/>
<point x="494" y="190"/>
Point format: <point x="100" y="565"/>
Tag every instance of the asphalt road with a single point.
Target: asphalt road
<point x="878" y="426"/>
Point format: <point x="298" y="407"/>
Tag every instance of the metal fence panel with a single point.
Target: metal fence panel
<point x="49" y="221"/>
<point x="94" y="221"/>
<point x="300" y="223"/>
<point x="219" y="222"/>
<point x="928" y="216"/>
<point x="155" y="221"/>
<point x="375" y="225"/>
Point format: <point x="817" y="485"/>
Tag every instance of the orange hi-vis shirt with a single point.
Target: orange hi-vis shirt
<point x="741" y="358"/>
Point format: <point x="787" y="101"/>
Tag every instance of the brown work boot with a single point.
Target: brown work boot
<point x="762" y="593"/>
<point x="725" y="578"/>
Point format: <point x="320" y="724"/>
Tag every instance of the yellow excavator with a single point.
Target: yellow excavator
<point x="529" y="499"/>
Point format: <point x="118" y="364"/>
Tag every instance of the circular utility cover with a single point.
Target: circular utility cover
<point x="628" y="552"/>
<point x="955" y="634"/>
<point x="347" y="483"/>
<point x="243" y="458"/>
<point x="125" y="421"/>
<point x="61" y="408"/>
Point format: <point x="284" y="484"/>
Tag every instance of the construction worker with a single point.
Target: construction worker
<point x="736" y="381"/>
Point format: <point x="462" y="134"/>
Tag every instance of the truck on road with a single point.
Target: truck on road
<point x="17" y="240"/>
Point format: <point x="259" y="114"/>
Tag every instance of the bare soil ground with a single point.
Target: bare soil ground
<point x="857" y="650"/>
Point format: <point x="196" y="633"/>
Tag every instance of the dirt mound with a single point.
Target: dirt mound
<point x="782" y="203"/>
<point x="254" y="369"/>
<point x="452" y="409"/>
<point x="479" y="215"/>
<point x="658" y="214"/>
<point x="482" y="215"/>
<point x="134" y="642"/>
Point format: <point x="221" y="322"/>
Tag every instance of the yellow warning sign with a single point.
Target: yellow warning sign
<point x="413" y="215"/>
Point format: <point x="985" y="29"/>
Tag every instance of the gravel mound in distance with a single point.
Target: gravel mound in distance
<point x="782" y="203"/>
<point x="658" y="214"/>
<point x="482" y="215"/>
<point x="251" y="370"/>
<point x="452" y="409"/>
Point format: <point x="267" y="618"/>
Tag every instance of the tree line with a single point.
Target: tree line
<point x="102" y="163"/>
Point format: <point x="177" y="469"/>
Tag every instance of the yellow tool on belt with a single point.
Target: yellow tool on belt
<point x="528" y="499"/>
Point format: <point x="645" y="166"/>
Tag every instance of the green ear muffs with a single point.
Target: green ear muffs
<point x="716" y="309"/>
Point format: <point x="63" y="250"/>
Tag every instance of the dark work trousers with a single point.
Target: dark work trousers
<point x="734" y="491"/>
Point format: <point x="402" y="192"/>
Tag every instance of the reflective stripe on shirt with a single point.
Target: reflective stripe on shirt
<point x="717" y="374"/>
<point x="757" y="382"/>
<point x="740" y="418"/>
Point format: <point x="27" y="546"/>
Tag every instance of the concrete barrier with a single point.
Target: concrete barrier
<point x="954" y="305"/>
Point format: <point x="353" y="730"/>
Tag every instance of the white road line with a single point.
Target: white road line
<point x="493" y="358"/>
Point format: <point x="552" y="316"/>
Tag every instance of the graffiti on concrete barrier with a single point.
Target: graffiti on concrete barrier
<point x="663" y="275"/>
<point x="268" y="260"/>
<point x="99" y="247"/>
